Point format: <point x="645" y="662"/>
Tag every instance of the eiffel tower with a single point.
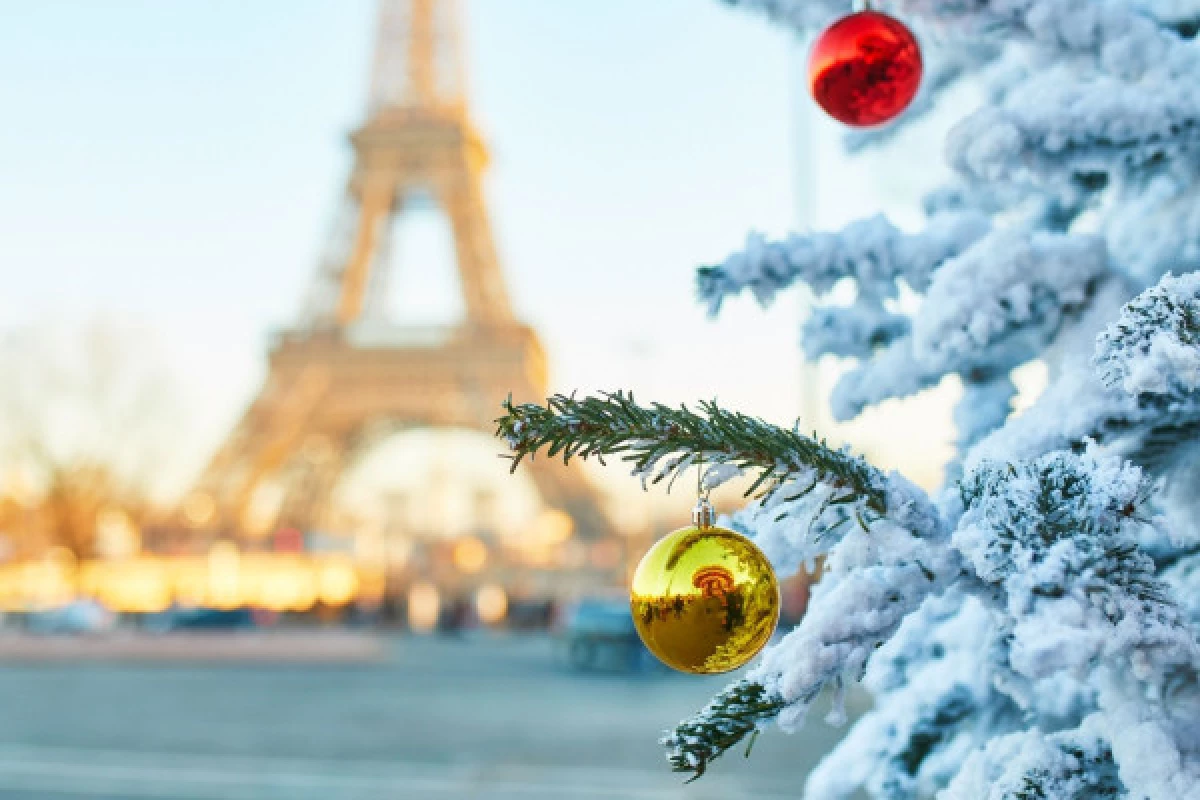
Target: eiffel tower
<point x="337" y="381"/>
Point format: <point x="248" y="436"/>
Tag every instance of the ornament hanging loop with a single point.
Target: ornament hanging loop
<point x="703" y="515"/>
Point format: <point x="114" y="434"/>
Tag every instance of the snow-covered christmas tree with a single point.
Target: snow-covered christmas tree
<point x="1030" y="630"/>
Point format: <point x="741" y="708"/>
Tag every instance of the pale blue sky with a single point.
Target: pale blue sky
<point x="177" y="164"/>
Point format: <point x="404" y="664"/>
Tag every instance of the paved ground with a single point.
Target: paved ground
<point x="485" y="719"/>
<point x="197" y="648"/>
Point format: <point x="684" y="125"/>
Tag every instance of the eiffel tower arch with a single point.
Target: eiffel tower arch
<point x="338" y="377"/>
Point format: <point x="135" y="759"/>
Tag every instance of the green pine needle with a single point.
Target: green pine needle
<point x="661" y="441"/>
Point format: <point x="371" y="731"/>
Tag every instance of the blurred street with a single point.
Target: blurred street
<point x="477" y="717"/>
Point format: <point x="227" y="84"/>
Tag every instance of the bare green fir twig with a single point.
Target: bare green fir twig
<point x="729" y="717"/>
<point x="661" y="442"/>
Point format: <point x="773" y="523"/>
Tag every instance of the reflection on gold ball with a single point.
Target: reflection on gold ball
<point x="705" y="600"/>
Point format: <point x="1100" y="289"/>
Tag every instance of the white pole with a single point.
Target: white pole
<point x="804" y="198"/>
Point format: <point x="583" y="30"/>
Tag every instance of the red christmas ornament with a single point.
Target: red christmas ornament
<point x="865" y="68"/>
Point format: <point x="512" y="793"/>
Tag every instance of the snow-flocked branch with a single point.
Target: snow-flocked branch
<point x="1010" y="289"/>
<point x="1058" y="537"/>
<point x="1153" y="349"/>
<point x="986" y="311"/>
<point x="854" y="331"/>
<point x="931" y="688"/>
<point x="1086" y="135"/>
<point x="1107" y="30"/>
<point x="873" y="253"/>
<point x="1071" y="765"/>
<point x="1141" y="390"/>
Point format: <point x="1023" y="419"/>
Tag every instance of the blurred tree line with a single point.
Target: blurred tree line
<point x="86" y="416"/>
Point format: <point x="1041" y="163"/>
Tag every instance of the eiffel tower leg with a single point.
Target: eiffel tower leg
<point x="484" y="293"/>
<point x="268" y="434"/>
<point x="376" y="201"/>
<point x="310" y="490"/>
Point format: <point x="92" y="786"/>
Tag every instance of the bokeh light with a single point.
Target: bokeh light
<point x="491" y="604"/>
<point x="424" y="605"/>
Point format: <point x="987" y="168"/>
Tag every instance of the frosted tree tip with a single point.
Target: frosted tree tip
<point x="1153" y="349"/>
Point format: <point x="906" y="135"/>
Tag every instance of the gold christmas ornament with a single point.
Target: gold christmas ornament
<point x="704" y="599"/>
